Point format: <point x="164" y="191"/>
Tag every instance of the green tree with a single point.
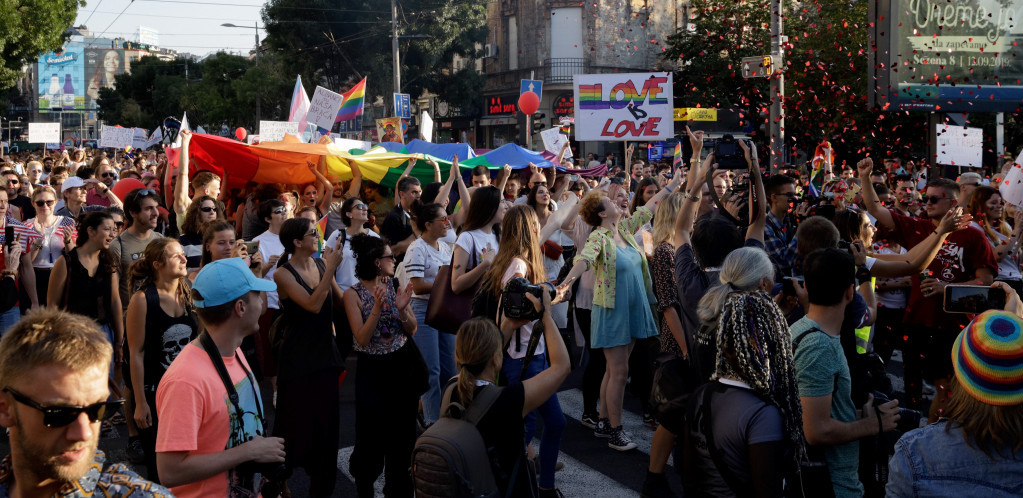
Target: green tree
<point x="152" y="91"/>
<point x="29" y="28"/>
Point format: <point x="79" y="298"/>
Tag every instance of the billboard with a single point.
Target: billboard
<point x="61" y="79"/>
<point x="948" y="56"/>
<point x="101" y="65"/>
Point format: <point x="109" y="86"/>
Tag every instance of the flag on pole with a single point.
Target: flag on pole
<point x="677" y="164"/>
<point x="350" y="113"/>
<point x="321" y="235"/>
<point x="299" y="105"/>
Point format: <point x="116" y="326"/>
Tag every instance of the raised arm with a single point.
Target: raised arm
<point x="356" y="183"/>
<point x="408" y="169"/>
<point x="181" y="200"/>
<point x="757" y="203"/>
<point x="672" y="185"/>
<point x="920" y="256"/>
<point x="503" y="177"/>
<point x="694" y="193"/>
<point x="559" y="218"/>
<point x="444" y="194"/>
<point x="325" y="186"/>
<point x="870" y="200"/>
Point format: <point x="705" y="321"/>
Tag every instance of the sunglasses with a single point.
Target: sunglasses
<point x="13" y="182"/>
<point x="208" y="209"/>
<point x="359" y="206"/>
<point x="312" y="232"/>
<point x="144" y="192"/>
<point x="537" y="184"/>
<point x="934" y="199"/>
<point x="60" y="416"/>
<point x="387" y="256"/>
<point x="109" y="174"/>
<point x="277" y="211"/>
<point x="45" y="203"/>
<point x="442" y="219"/>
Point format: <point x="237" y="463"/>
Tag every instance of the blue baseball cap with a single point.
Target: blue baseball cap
<point x="225" y="280"/>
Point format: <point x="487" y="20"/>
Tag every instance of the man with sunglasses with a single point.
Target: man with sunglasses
<point x="106" y="177"/>
<point x="780" y="232"/>
<point x="965" y="256"/>
<point x="53" y="395"/>
<point x="75" y="193"/>
<point x="211" y="434"/>
<point x="12" y="183"/>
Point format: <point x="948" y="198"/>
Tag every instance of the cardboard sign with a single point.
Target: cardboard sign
<point x="623" y="107"/>
<point x="323" y="108"/>
<point x="426" y="127"/>
<point x="44" y="133"/>
<point x="1012" y="186"/>
<point x="117" y="138"/>
<point x="139" y="139"/>
<point x="554" y="140"/>
<point x="347" y="144"/>
<point x="274" y="131"/>
<point x="959" y="146"/>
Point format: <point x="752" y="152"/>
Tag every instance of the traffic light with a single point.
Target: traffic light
<point x="538" y="123"/>
<point x="762" y="123"/>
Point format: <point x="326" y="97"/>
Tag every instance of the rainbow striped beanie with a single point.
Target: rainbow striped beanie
<point x="988" y="358"/>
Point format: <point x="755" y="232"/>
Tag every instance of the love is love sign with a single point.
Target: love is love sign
<point x="623" y="106"/>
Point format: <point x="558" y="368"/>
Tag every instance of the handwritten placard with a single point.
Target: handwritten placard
<point x="44" y="133"/>
<point x="274" y="131"/>
<point x="623" y="106"/>
<point x="960" y="146"/>
<point x="323" y="108"/>
<point x="426" y="127"/>
<point x="554" y="140"/>
<point x="115" y="137"/>
<point x="139" y="139"/>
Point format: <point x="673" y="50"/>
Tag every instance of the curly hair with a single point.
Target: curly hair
<point x="367" y="249"/>
<point x="755" y="346"/>
<point x="191" y="224"/>
<point x="591" y="206"/>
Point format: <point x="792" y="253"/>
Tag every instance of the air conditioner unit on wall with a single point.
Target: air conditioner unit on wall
<point x="490" y="51"/>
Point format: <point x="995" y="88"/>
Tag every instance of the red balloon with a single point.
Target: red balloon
<point x="241" y="133"/>
<point x="123" y="187"/>
<point x="529" y="103"/>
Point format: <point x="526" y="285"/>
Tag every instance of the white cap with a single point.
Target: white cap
<point x="71" y="182"/>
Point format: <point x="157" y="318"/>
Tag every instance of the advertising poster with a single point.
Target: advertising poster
<point x="623" y="107"/>
<point x="390" y="130"/>
<point x="101" y="66"/>
<point x="62" y="80"/>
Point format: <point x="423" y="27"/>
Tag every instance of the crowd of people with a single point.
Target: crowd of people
<point x="752" y="315"/>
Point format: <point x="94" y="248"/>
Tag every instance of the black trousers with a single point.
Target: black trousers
<point x="595" y="365"/>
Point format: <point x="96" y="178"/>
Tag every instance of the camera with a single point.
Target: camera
<point x="909" y="419"/>
<point x="728" y="154"/>
<point x="514" y="300"/>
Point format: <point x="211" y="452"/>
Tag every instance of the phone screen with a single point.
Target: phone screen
<point x="8" y="235"/>
<point x="973" y="298"/>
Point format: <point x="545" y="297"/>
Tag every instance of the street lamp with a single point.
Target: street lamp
<point x="255" y="25"/>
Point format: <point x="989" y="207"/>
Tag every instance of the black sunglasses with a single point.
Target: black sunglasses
<point x="60" y="416"/>
<point x="208" y="209"/>
<point x="387" y="256"/>
<point x="109" y="174"/>
<point x="45" y="203"/>
<point x="934" y="199"/>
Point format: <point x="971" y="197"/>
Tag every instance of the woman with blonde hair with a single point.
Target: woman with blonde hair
<point x="621" y="296"/>
<point x="57" y="235"/>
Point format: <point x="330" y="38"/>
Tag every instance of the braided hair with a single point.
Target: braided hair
<point x="754" y="345"/>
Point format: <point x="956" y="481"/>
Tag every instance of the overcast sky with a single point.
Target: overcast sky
<point x="192" y="26"/>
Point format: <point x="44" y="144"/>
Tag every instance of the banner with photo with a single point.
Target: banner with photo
<point x="623" y="107"/>
<point x="61" y="79"/>
<point x="101" y="66"/>
<point x="390" y="130"/>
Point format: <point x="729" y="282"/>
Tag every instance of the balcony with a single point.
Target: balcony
<point x="561" y="70"/>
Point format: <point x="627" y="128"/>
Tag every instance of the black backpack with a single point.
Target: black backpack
<point x="450" y="459"/>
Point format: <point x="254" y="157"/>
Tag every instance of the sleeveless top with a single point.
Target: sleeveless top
<point x="86" y="294"/>
<point x="165" y="337"/>
<point x="308" y="344"/>
<point x="389" y="335"/>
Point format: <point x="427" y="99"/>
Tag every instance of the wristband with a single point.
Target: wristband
<point x="693" y="197"/>
<point x="668" y="188"/>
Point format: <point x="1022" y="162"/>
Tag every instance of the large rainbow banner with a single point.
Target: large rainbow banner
<point x="626" y="106"/>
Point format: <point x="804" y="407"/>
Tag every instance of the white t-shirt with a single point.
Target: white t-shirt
<point x="481" y="241"/>
<point x="270" y="245"/>
<point x="520" y="341"/>
<point x="345" y="273"/>
<point x="1008" y="267"/>
<point x="424" y="261"/>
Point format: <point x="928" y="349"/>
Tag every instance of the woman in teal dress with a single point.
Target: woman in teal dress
<point x="622" y="295"/>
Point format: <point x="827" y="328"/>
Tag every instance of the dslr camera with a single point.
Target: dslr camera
<point x="728" y="154"/>
<point x="514" y="300"/>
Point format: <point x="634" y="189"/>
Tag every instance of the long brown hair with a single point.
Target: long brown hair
<point x="143" y="271"/>
<point x="977" y="207"/>
<point x="986" y="427"/>
<point x="476" y="343"/>
<point x="191" y="224"/>
<point x="521" y="239"/>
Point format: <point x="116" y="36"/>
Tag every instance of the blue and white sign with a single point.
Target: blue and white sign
<point x="403" y="105"/>
<point x="535" y="86"/>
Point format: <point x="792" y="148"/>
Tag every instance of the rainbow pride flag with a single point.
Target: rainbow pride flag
<point x="351" y="110"/>
<point x="321" y="235"/>
<point x="677" y="163"/>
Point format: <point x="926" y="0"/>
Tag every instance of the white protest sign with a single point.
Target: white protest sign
<point x="347" y="144"/>
<point x="44" y="133"/>
<point x="139" y="139"/>
<point x="323" y="108"/>
<point x="274" y="131"/>
<point x="959" y="146"/>
<point x="553" y="141"/>
<point x="426" y="127"/>
<point x="625" y="106"/>
<point x="1012" y="185"/>
<point x="117" y="138"/>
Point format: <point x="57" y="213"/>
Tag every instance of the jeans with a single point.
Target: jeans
<point x="8" y="319"/>
<point x="438" y="350"/>
<point x="553" y="418"/>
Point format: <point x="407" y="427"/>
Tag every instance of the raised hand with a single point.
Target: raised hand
<point x="379" y="295"/>
<point x="404" y="297"/>
<point x="954" y="220"/>
<point x="865" y="166"/>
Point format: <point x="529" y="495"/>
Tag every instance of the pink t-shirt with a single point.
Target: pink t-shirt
<point x="196" y="415"/>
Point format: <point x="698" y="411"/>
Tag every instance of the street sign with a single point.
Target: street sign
<point x="695" y="114"/>
<point x="535" y="86"/>
<point x="402" y="106"/>
<point x="757" y="67"/>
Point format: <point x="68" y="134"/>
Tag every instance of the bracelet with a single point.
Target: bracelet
<point x="8" y="273"/>
<point x="692" y="197"/>
<point x="666" y="187"/>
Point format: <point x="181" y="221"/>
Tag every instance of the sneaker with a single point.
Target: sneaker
<point x="649" y="420"/>
<point x="135" y="453"/>
<point x="603" y="428"/>
<point x="590" y="420"/>
<point x="619" y="441"/>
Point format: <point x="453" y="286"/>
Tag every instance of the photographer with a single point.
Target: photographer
<point x="196" y="456"/>
<point x="519" y="257"/>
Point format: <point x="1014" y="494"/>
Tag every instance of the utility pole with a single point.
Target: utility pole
<point x="258" y="99"/>
<point x="777" y="125"/>
<point x="394" y="48"/>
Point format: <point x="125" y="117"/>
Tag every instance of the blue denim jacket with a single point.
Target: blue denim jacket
<point x="930" y="462"/>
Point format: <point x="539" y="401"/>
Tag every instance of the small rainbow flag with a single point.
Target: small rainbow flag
<point x="566" y="130"/>
<point x="353" y="104"/>
<point x="677" y="163"/>
<point x="321" y="235"/>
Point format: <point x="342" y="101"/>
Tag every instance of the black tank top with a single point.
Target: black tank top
<point x="308" y="344"/>
<point x="166" y="336"/>
<point x="86" y="294"/>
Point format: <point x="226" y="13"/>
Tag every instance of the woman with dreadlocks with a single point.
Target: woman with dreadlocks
<point x="744" y="426"/>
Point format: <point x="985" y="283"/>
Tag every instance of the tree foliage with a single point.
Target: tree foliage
<point x="335" y="44"/>
<point x="29" y="28"/>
